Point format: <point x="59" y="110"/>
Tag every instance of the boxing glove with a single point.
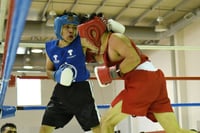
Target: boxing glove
<point x="64" y="76"/>
<point x="105" y="74"/>
<point x="115" y="26"/>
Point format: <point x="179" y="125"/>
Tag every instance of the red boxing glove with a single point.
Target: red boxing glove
<point x="105" y="74"/>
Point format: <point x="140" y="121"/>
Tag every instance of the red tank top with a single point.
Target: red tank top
<point x="109" y="63"/>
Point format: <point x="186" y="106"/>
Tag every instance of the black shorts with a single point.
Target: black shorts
<point x="59" y="111"/>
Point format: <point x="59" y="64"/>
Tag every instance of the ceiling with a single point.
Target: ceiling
<point x="142" y="13"/>
<point x="138" y="16"/>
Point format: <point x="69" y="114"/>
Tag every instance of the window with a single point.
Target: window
<point x="28" y="91"/>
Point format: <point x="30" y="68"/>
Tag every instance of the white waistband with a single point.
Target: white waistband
<point x="146" y="66"/>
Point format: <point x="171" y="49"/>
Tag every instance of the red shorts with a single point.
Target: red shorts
<point x="145" y="93"/>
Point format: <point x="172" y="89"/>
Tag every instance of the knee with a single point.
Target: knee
<point x="46" y="129"/>
<point x="105" y="123"/>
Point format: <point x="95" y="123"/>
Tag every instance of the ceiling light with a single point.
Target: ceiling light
<point x="36" y="51"/>
<point x="27" y="63"/>
<point x="27" y="60"/>
<point x="160" y="27"/>
<point x="28" y="67"/>
<point x="51" y="16"/>
<point x="21" y="50"/>
<point x="52" y="13"/>
<point x="159" y="19"/>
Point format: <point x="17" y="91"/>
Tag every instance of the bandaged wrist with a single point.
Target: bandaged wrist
<point x="53" y="75"/>
<point x="118" y="71"/>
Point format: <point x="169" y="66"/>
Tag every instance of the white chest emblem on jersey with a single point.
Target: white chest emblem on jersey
<point x="71" y="53"/>
<point x="55" y="58"/>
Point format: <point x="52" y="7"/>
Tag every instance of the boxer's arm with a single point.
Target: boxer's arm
<point x="88" y="45"/>
<point x="122" y="49"/>
<point x="49" y="68"/>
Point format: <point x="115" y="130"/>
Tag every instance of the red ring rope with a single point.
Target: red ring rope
<point x="94" y="78"/>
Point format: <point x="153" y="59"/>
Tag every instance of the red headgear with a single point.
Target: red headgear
<point x="93" y="30"/>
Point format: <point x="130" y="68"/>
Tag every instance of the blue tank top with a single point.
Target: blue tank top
<point x="71" y="55"/>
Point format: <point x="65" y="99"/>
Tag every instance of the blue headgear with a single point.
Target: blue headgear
<point x="62" y="20"/>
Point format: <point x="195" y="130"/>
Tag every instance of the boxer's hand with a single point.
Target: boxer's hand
<point x="115" y="26"/>
<point x="64" y="76"/>
<point x="105" y="75"/>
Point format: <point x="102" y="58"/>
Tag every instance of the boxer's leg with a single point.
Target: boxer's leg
<point x="96" y="129"/>
<point x="111" y="118"/>
<point x="169" y="122"/>
<point x="46" y="129"/>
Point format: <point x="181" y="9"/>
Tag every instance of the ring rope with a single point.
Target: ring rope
<point x="142" y="47"/>
<point x="94" y="78"/>
<point x="105" y="106"/>
<point x="156" y="47"/>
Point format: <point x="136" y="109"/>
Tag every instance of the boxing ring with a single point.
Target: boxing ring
<point x="16" y="21"/>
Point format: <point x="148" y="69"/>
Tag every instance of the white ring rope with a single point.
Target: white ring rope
<point x="142" y="47"/>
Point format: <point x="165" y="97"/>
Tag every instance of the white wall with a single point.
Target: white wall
<point x="187" y="65"/>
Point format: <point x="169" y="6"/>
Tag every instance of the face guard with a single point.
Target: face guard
<point x="63" y="20"/>
<point x="92" y="31"/>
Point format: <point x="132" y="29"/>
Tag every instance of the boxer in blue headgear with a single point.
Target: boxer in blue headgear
<point x="69" y="19"/>
<point x="65" y="64"/>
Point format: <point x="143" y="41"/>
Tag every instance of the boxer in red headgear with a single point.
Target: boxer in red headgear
<point x="145" y="92"/>
<point x="91" y="33"/>
<point x="93" y="30"/>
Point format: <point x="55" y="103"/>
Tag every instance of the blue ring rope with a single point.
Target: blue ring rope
<point x="106" y="106"/>
<point x="185" y="104"/>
